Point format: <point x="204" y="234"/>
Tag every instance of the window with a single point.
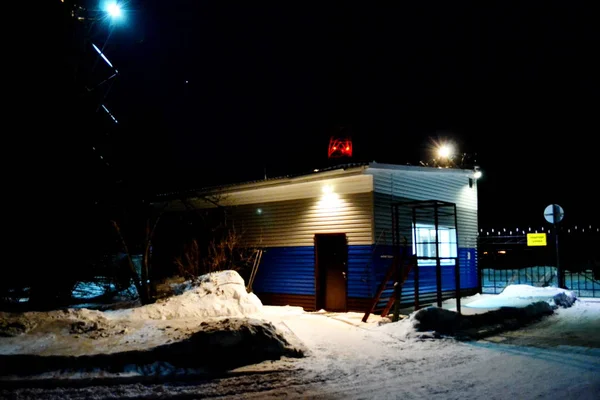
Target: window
<point x="424" y="244"/>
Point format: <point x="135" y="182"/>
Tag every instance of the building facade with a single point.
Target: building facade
<point x="328" y="236"/>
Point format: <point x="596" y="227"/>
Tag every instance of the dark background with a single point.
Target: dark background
<point x="269" y="83"/>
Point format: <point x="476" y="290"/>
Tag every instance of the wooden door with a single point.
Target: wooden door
<point x="331" y="271"/>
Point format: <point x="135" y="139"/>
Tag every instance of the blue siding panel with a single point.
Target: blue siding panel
<point x="286" y="270"/>
<point x="382" y="259"/>
<point x="291" y="270"/>
<point x="468" y="268"/>
<point x="359" y="270"/>
<point x="427" y="276"/>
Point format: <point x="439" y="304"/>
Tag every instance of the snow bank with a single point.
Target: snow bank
<point x="435" y="322"/>
<point x="80" y="321"/>
<point x="554" y="296"/>
<point x="216" y="346"/>
<point x="523" y="295"/>
<point x="218" y="294"/>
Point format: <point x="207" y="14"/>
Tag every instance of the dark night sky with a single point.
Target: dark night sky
<point x="268" y="83"/>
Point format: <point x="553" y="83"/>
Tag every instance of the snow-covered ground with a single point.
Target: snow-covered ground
<point x="216" y="340"/>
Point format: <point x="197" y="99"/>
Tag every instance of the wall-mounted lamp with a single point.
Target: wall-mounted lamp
<point x="476" y="175"/>
<point x="329" y="200"/>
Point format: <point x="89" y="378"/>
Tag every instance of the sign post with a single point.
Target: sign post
<point x="554" y="214"/>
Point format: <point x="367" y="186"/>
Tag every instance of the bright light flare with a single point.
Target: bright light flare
<point x="329" y="201"/>
<point x="327" y="189"/>
<point x="445" y="151"/>
<point x="114" y="10"/>
<point x="477" y="174"/>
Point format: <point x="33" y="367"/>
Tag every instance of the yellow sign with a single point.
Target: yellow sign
<point x="536" y="239"/>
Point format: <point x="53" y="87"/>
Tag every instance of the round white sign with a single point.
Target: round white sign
<point x="554" y="213"/>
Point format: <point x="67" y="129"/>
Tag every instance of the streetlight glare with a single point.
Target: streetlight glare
<point x="445" y="151"/>
<point x="113" y="10"/>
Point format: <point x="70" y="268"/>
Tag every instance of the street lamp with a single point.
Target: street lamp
<point x="109" y="11"/>
<point x="106" y="11"/>
<point x="96" y="21"/>
<point x="445" y="151"/>
<point x="445" y="154"/>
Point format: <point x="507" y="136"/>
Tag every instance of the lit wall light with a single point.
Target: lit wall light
<point x="329" y="200"/>
<point x="476" y="175"/>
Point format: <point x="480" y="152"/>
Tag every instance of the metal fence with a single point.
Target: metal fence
<point x="506" y="259"/>
<point x="583" y="284"/>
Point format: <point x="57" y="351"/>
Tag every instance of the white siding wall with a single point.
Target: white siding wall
<point x="291" y="214"/>
<point x="295" y="222"/>
<point x="392" y="186"/>
<point x="293" y="210"/>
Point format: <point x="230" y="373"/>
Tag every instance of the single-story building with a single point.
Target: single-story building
<point x="329" y="236"/>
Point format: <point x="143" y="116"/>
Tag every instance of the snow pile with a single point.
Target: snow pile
<point x="554" y="296"/>
<point x="218" y="294"/>
<point x="434" y="322"/>
<point x="75" y="321"/>
<point x="516" y="306"/>
<point x="426" y="323"/>
<point x="15" y="324"/>
<point x="216" y="346"/>
<point x="523" y="295"/>
<point x="210" y="327"/>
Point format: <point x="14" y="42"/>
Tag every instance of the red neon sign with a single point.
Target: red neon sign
<point x="339" y="147"/>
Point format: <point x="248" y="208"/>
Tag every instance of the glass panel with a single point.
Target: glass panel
<point x="425" y="245"/>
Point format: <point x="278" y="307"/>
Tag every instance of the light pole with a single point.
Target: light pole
<point x="109" y="13"/>
<point x="94" y="74"/>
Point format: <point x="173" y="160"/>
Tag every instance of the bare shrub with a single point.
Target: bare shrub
<point x="224" y="252"/>
<point x="189" y="266"/>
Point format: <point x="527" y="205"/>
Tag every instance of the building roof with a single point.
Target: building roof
<point x="320" y="173"/>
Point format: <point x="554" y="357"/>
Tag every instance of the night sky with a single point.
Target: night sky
<point x="213" y="92"/>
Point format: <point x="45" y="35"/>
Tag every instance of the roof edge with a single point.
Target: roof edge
<point x="315" y="175"/>
<point x="420" y="168"/>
